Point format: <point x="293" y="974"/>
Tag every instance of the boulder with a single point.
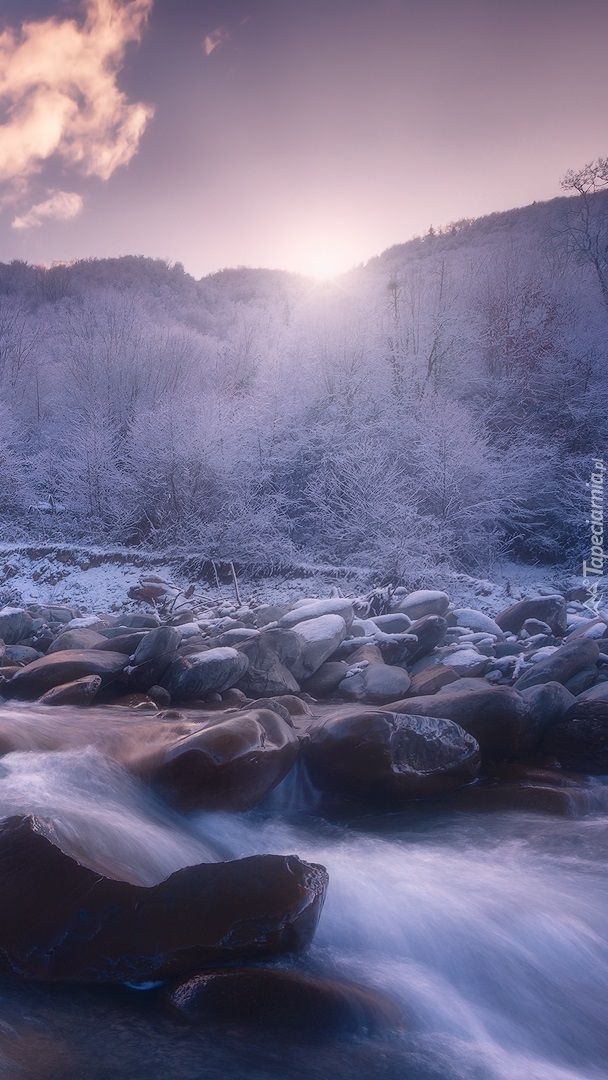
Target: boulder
<point x="156" y="650"/>
<point x="378" y="684"/>
<point x="430" y="631"/>
<point x="62" y="920"/>
<point x="19" y="654"/>
<point x="229" y="763"/>
<point x="197" y="674"/>
<point x="139" y="620"/>
<point x="547" y="609"/>
<point x="63" y="667"/>
<point x="304" y="610"/>
<point x="291" y="1004"/>
<point x="266" y="674"/>
<point x="422" y="602"/>
<point x="80" y="638"/>
<point x="496" y="716"/>
<point x="126" y="642"/>
<point x="325" y="680"/>
<point x="561" y="664"/>
<point x="385" y="756"/>
<point x="547" y="704"/>
<point x="15" y="625"/>
<point x="599" y="692"/>
<point x="319" y="638"/>
<point x="397" y="623"/>
<point x="78" y="692"/>
<point x="477" y="621"/>
<point x="432" y="679"/>
<point x="580" y="740"/>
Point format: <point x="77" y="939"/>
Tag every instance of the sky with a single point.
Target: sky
<point x="304" y="135"/>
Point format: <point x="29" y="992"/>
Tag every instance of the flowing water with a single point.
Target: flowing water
<point x="491" y="931"/>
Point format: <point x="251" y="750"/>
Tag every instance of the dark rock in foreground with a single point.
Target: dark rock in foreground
<point x="285" y="1002"/>
<point x="64" y="921"/>
<point x="496" y="716"/>
<point x="379" y="754"/>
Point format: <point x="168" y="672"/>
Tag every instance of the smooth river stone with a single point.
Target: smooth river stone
<point x="382" y="755"/>
<point x="64" y="921"/>
<point x="63" y="667"/>
<point x="580" y="740"/>
<point x="289" y="1003"/>
<point x="200" y="673"/>
<point x="561" y="664"/>
<point x="229" y="764"/>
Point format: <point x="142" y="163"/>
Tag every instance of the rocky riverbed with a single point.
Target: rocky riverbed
<point x="127" y="737"/>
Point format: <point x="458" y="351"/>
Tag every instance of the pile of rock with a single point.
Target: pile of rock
<point x="415" y="702"/>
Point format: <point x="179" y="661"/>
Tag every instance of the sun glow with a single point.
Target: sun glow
<point x="324" y="263"/>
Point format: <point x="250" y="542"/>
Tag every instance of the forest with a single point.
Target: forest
<point x="436" y="407"/>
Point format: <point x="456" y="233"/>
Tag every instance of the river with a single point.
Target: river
<point x="491" y="931"/>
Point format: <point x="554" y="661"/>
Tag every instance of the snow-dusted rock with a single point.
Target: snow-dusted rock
<point x="548" y="609"/>
<point x="15" y="625"/>
<point x="306" y="609"/>
<point x="477" y="621"/>
<point x="561" y="664"/>
<point x="423" y="602"/>
<point x="319" y="639"/>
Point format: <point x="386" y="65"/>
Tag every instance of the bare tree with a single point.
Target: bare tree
<point x="586" y="218"/>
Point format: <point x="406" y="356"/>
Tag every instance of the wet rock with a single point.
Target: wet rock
<point x="194" y="676"/>
<point x="63" y="921"/>
<point x="80" y="638"/>
<point x="422" y="602"/>
<point x="382" y="755"/>
<point x="159" y="696"/>
<point x="284" y="1002"/>
<point x="378" y="684"/>
<point x="157" y="649"/>
<point x="63" y="667"/>
<point x="528" y="797"/>
<point x="580" y="740"/>
<point x="561" y="664"/>
<point x="78" y="692"/>
<point x="267" y="675"/>
<point x="496" y="716"/>
<point x="548" y="609"/>
<point x="319" y="638"/>
<point x="229" y="763"/>
<point x="16" y="625"/>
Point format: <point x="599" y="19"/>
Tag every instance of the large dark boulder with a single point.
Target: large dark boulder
<point x="385" y="756"/>
<point x="580" y="740"/>
<point x="288" y="1003"/>
<point x="64" y="667"/>
<point x="195" y="675"/>
<point x="562" y="664"/>
<point x="547" y="609"/>
<point x="377" y="684"/>
<point x="81" y="637"/>
<point x="64" y="921"/>
<point x="547" y="704"/>
<point x="230" y="763"/>
<point x="496" y="716"/>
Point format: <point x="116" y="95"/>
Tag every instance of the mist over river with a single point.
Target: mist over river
<point x="489" y="931"/>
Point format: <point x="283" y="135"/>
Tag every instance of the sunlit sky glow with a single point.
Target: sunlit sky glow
<point x="303" y="136"/>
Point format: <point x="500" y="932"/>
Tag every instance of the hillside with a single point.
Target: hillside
<point x="438" y="407"/>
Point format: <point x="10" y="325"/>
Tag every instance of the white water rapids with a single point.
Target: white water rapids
<point x="490" y="930"/>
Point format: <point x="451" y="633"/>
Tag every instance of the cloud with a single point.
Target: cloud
<point x="60" y="205"/>
<point x="219" y="36"/>
<point x="59" y="96"/>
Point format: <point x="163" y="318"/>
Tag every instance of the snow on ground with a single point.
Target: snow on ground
<point x="97" y="579"/>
